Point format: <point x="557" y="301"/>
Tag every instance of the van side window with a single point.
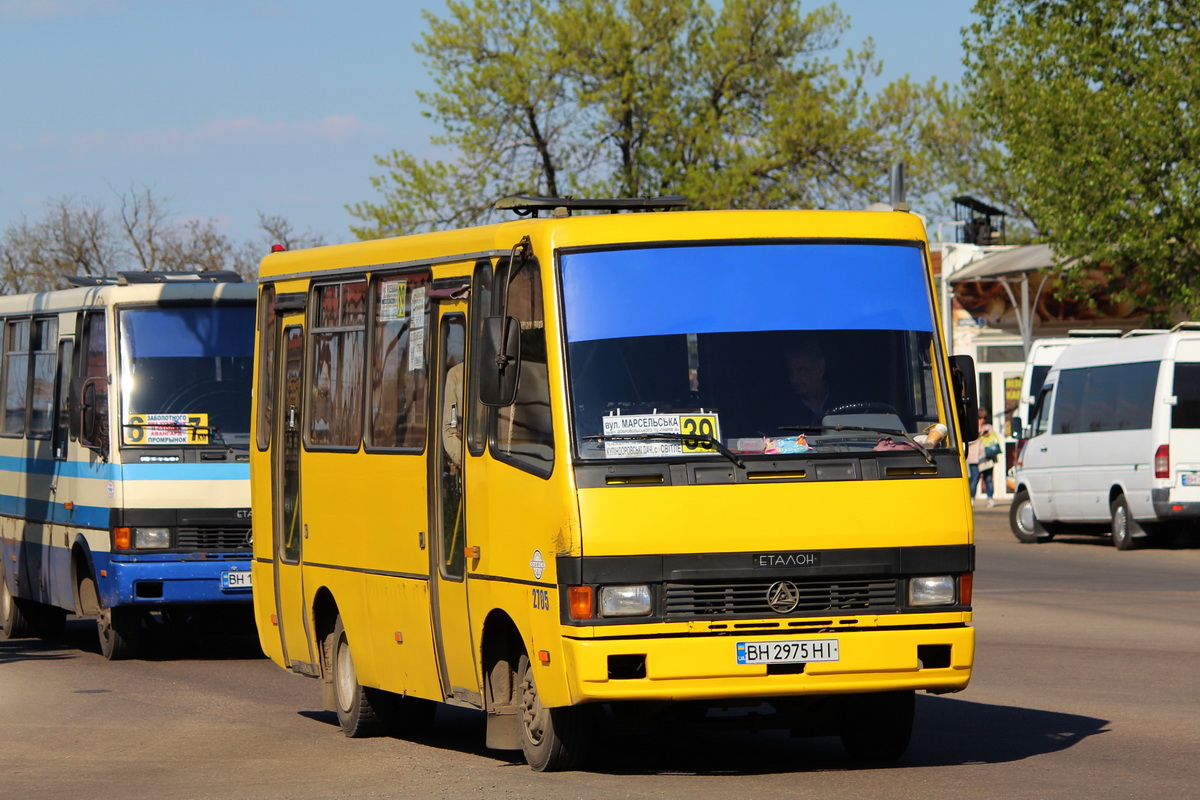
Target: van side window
<point x="1041" y="412"/>
<point x="523" y="433"/>
<point x="1186" y="413"/>
<point x="1119" y="397"/>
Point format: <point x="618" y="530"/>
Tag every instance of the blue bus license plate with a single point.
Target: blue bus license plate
<point x="235" y="580"/>
<point x="787" y="652"/>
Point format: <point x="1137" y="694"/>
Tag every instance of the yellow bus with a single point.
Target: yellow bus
<point x="623" y="461"/>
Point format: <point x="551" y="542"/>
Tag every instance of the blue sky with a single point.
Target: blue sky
<point x="230" y="107"/>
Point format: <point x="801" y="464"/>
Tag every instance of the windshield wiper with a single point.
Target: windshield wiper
<point x="887" y="431"/>
<point x="672" y="437"/>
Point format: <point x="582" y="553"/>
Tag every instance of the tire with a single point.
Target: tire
<point x="119" y="629"/>
<point x="878" y="727"/>
<point x="1127" y="533"/>
<point x="16" y="614"/>
<point x="1024" y="523"/>
<point x="361" y="712"/>
<point x="552" y="739"/>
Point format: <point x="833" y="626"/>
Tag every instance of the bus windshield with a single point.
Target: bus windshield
<point x="186" y="374"/>
<point x="775" y="349"/>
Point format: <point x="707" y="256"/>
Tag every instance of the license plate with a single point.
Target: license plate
<point x="235" y="580"/>
<point x="789" y="652"/>
<point x="1189" y="479"/>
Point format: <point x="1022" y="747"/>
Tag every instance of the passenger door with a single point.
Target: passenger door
<point x="448" y="571"/>
<point x="288" y="524"/>
<point x="1037" y="459"/>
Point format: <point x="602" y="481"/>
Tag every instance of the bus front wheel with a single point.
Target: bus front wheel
<point x="362" y="712"/>
<point x="118" y="628"/>
<point x="552" y="739"/>
<point x="877" y="727"/>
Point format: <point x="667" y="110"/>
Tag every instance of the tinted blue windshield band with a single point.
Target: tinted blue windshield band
<point x="188" y="332"/>
<point x="612" y="294"/>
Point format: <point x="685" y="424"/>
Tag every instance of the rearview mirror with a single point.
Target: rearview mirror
<point x="966" y="399"/>
<point x="498" y="362"/>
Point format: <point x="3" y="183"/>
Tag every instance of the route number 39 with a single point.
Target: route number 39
<point x="702" y="427"/>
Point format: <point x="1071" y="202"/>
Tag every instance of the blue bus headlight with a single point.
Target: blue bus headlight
<point x="151" y="538"/>
<point x="625" y="601"/>
<point x="933" y="591"/>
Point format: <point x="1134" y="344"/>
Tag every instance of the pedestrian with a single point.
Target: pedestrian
<point x="981" y="459"/>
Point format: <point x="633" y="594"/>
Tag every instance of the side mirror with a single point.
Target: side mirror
<point x="89" y="417"/>
<point x="1016" y="427"/>
<point x="498" y="362"/>
<point x="962" y="380"/>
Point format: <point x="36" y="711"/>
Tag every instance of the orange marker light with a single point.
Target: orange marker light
<point x="544" y="656"/>
<point x="121" y="538"/>
<point x="399" y="637"/>
<point x="274" y="620"/>
<point x="580" y="600"/>
<point x="965" y="584"/>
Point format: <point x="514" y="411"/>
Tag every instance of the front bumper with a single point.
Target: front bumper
<point x="706" y="668"/>
<point x="164" y="581"/>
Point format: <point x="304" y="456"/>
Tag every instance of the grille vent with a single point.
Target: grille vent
<point x="216" y="538"/>
<point x="749" y="599"/>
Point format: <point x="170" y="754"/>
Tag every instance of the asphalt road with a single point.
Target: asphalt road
<point x="1085" y="687"/>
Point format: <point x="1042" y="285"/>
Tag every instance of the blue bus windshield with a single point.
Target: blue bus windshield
<point x="189" y="360"/>
<point x="752" y="342"/>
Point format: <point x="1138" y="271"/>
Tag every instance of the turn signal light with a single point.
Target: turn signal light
<point x="122" y="538"/>
<point x="1162" y="461"/>
<point x="579" y="598"/>
<point x="966" y="582"/>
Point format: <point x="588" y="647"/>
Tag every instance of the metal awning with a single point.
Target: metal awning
<point x="1013" y="269"/>
<point x="1024" y="258"/>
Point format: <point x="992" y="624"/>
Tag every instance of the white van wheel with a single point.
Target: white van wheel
<point x="1126" y="531"/>
<point x="1024" y="523"/>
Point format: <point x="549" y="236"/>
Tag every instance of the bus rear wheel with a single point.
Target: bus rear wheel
<point x="552" y="739"/>
<point x="15" y="613"/>
<point x="362" y="712"/>
<point x="118" y="628"/>
<point x="878" y="727"/>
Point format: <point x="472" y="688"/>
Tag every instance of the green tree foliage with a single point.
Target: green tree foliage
<point x="738" y="105"/>
<point x="1094" y="104"/>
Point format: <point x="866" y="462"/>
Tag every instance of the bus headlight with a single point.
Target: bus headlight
<point x="933" y="591"/>
<point x="151" y="538"/>
<point x="625" y="601"/>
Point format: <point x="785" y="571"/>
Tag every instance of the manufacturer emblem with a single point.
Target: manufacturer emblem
<point x="783" y="597"/>
<point x="537" y="564"/>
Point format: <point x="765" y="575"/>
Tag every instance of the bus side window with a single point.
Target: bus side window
<point x="523" y="435"/>
<point x="336" y="385"/>
<point x="398" y="377"/>
<point x="481" y="305"/>
<point x="41" y="395"/>
<point x="89" y="389"/>
<point x="16" y="375"/>
<point x="62" y="387"/>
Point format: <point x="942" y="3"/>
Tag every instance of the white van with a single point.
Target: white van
<point x="1114" y="437"/>
<point x="1042" y="355"/>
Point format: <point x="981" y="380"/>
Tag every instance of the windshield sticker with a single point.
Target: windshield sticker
<point x="633" y="435"/>
<point x="147" y="429"/>
<point x="393" y="299"/>
<point x="416" y="331"/>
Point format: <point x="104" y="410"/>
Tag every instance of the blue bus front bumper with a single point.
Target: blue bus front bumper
<point x="165" y="580"/>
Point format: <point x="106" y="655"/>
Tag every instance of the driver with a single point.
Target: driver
<point x="806" y="375"/>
